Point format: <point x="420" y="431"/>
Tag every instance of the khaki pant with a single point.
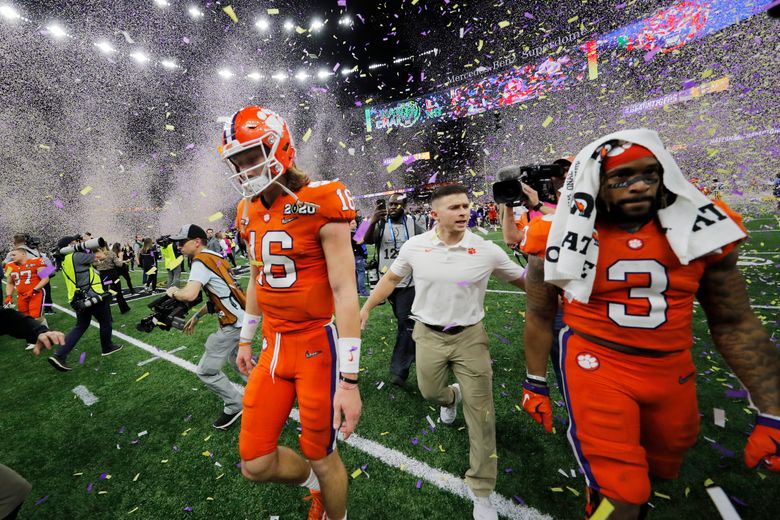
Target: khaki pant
<point x="468" y="356"/>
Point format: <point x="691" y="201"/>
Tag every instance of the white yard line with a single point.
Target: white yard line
<point x="155" y="358"/>
<point x="389" y="456"/>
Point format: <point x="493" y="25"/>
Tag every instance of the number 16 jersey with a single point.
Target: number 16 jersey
<point x="292" y="288"/>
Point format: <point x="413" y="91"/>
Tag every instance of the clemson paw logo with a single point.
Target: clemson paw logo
<point x="587" y="361"/>
<point x="265" y="344"/>
<point x="471" y="251"/>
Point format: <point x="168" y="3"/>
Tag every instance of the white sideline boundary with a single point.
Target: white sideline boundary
<point x="393" y="458"/>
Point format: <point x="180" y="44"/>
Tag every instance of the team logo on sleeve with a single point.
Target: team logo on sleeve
<point x="583" y="204"/>
<point x="587" y="361"/>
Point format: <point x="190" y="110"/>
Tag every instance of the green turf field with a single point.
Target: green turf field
<point x="146" y="449"/>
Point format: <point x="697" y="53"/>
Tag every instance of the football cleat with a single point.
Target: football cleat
<point x="255" y="127"/>
<point x="317" y="508"/>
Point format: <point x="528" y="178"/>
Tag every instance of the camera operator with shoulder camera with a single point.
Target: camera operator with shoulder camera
<point x="86" y="295"/>
<point x="525" y="192"/>
<point x="211" y="272"/>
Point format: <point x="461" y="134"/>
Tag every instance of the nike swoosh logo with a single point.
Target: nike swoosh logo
<point x="526" y="397"/>
<point x="312" y="354"/>
<point x="682" y="380"/>
<point x="288" y="220"/>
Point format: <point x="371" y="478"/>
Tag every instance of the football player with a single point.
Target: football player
<point x="298" y="236"/>
<point x="23" y="275"/>
<point x="628" y="373"/>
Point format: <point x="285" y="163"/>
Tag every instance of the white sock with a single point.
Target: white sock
<point x="311" y="482"/>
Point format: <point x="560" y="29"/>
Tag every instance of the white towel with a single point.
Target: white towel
<point x="694" y="225"/>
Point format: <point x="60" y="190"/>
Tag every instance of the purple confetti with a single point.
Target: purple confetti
<point x="518" y="500"/>
<point x="426" y="448"/>
<point x="187" y="509"/>
<point x="82" y="357"/>
<point x="59" y="204"/>
<point x="89" y="487"/>
<point x="122" y="429"/>
<point x="42" y="500"/>
<point x="419" y="483"/>
<point x="528" y="15"/>
<point x="362" y="229"/>
<point x="415" y="440"/>
<point x="103" y="476"/>
<point x="185" y="40"/>
<point x="737" y="394"/>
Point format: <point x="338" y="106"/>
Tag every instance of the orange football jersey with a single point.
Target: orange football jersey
<point x="642" y="295"/>
<point x="293" y="290"/>
<point x="25" y="276"/>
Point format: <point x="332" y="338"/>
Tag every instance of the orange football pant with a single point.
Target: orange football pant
<point x="630" y="416"/>
<point x="302" y="364"/>
<point x="30" y="304"/>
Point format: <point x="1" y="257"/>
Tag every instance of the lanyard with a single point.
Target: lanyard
<point x="392" y="231"/>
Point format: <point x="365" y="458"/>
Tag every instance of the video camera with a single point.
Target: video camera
<point x="164" y="241"/>
<point x="81" y="247"/>
<point x="538" y="176"/>
<point x="168" y="313"/>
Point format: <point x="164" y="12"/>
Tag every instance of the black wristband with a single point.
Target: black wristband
<point x="348" y="380"/>
<point x="538" y="206"/>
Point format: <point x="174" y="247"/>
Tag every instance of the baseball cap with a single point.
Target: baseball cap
<point x="190" y="231"/>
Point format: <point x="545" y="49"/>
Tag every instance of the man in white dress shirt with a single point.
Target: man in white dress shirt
<point x="451" y="267"/>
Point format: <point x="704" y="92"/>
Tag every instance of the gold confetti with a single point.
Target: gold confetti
<point x="547" y="121"/>
<point x="272" y="10"/>
<point x="231" y="13"/>
<point x="300" y="30"/>
<point x="503" y="23"/>
<point x="573" y="19"/>
<point x="574" y="491"/>
<point x="604" y="510"/>
<point x="146" y="374"/>
<point x="708" y="482"/>
<point x="86" y="190"/>
<point x="216" y="216"/>
<point x="135" y="478"/>
<point x="661" y="495"/>
<point x="556" y="490"/>
<point x="133" y="510"/>
<point x="357" y="473"/>
<point x="394" y="164"/>
<point x="307" y="135"/>
<point x="44" y="147"/>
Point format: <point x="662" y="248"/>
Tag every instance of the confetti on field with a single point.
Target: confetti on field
<point x="307" y="135"/>
<point x="604" y="510"/>
<point x="357" y="473"/>
<point x="133" y="510"/>
<point x="215" y="216"/>
<point x="85" y="190"/>
<point x="142" y="377"/>
<point x="82" y="357"/>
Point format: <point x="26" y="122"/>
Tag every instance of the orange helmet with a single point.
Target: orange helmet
<point x="249" y="128"/>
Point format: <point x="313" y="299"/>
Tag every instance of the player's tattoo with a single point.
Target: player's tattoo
<point x="542" y="297"/>
<point x="739" y="335"/>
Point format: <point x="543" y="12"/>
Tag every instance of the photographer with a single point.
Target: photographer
<point x="172" y="258"/>
<point x="109" y="269"/>
<point x="210" y="272"/>
<point x="86" y="295"/>
<point x="389" y="229"/>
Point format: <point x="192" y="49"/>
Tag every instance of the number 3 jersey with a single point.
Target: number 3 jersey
<point x="642" y="295"/>
<point x="292" y="288"/>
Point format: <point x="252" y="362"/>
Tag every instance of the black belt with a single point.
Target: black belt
<point x="457" y="329"/>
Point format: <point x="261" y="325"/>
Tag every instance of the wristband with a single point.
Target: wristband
<point x="347" y="386"/>
<point x="538" y="206"/>
<point x="348" y="380"/>
<point x="249" y="326"/>
<point x="349" y="355"/>
<point x="539" y="380"/>
<point x="244" y="343"/>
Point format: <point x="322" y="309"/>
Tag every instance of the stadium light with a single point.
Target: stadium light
<point x="345" y="20"/>
<point x="289" y="25"/>
<point x="225" y="73"/>
<point x="254" y="76"/>
<point x="347" y="72"/>
<point x="169" y="64"/>
<point x="279" y="76"/>
<point x="322" y="74"/>
<point x="140" y="57"/>
<point x="56" y="30"/>
<point x="161" y="3"/>
<point x="316" y="25"/>
<point x="195" y="13"/>
<point x="105" y="47"/>
<point x="9" y="13"/>
<point x="301" y="76"/>
<point x="262" y="24"/>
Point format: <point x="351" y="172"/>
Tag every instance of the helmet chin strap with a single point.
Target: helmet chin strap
<point x="276" y="180"/>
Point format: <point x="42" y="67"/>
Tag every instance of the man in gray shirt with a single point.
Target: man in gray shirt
<point x="389" y="229"/>
<point x="210" y="272"/>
